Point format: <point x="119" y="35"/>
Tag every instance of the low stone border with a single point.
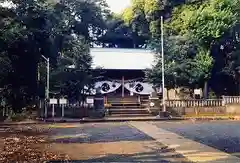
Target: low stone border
<point x="21" y="123"/>
<point x="92" y="120"/>
<point x="235" y="118"/>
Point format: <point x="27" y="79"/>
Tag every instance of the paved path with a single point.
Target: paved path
<point x="194" y="151"/>
<point x="109" y="142"/>
<point x="222" y="135"/>
<point x="206" y="142"/>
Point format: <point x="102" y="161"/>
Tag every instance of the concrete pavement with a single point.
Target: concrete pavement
<point x="222" y="135"/>
<point x="192" y="150"/>
<point x="109" y="142"/>
<point x="178" y="141"/>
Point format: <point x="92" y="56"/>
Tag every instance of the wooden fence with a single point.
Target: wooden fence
<point x="180" y="107"/>
<point x="72" y="110"/>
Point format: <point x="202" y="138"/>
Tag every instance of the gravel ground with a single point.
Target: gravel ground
<point x="222" y="135"/>
<point x="26" y="144"/>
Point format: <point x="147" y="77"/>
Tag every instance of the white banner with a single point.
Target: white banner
<point x="107" y="86"/>
<point x="133" y="86"/>
<point x="139" y="88"/>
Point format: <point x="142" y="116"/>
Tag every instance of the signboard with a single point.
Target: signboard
<point x="63" y="101"/>
<point x="197" y="91"/>
<point x="53" y="101"/>
<point x="90" y="100"/>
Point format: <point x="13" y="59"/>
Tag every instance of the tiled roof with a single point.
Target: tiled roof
<point x="122" y="59"/>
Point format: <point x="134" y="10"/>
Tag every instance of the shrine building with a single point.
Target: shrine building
<point x="123" y="74"/>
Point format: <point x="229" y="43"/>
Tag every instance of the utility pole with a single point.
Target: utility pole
<point x="47" y="87"/>
<point x="48" y="78"/>
<point x="163" y="68"/>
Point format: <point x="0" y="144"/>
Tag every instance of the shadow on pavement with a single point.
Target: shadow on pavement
<point x="156" y="156"/>
<point x="98" y="134"/>
<point x="166" y="156"/>
<point x="221" y="135"/>
<point x="100" y="139"/>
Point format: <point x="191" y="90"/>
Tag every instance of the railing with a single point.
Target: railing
<point x="195" y="103"/>
<point x="225" y="100"/>
<point x="231" y="99"/>
<point x="73" y="110"/>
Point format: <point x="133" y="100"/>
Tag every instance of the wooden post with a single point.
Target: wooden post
<point x="53" y="111"/>
<point x="3" y="111"/>
<point x="63" y="111"/>
<point x="122" y="86"/>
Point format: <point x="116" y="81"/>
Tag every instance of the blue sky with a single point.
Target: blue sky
<point x="118" y="5"/>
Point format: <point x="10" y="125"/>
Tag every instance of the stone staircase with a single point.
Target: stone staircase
<point x="127" y="107"/>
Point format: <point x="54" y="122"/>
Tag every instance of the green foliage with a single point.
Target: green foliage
<point x="33" y="28"/>
<point x="209" y="25"/>
<point x="206" y="22"/>
<point x="201" y="67"/>
<point x="185" y="64"/>
<point x="128" y="15"/>
<point x="120" y="34"/>
<point x="212" y="20"/>
<point x="73" y="75"/>
<point x="179" y="57"/>
<point x="151" y="6"/>
<point x="179" y="24"/>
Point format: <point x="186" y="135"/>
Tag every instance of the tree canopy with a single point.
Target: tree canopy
<point x="30" y="29"/>
<point x="212" y="26"/>
<point x="201" y="43"/>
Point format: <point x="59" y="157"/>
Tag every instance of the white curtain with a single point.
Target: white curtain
<point x="139" y="88"/>
<point x="107" y="86"/>
<point x="135" y="87"/>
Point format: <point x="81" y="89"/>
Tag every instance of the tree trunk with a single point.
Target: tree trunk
<point x="205" y="91"/>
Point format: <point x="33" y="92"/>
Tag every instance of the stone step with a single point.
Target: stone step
<point x="127" y="107"/>
<point x="129" y="115"/>
<point x="125" y="104"/>
<point x="128" y="111"/>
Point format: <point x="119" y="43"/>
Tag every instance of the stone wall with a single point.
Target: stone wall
<point x="233" y="109"/>
<point x="198" y="111"/>
<point x="191" y="109"/>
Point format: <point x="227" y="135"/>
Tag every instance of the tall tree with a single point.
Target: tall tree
<point x="207" y="23"/>
<point x="72" y="74"/>
<point x="120" y="35"/>
<point x="32" y="28"/>
<point x="89" y="16"/>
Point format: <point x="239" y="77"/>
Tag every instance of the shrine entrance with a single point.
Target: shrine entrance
<point x="122" y="82"/>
